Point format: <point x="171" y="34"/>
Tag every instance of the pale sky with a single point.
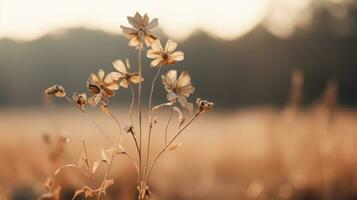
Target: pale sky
<point x="228" y="19"/>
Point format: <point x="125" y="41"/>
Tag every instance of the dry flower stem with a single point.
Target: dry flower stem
<point x="168" y="122"/>
<point x="167" y="145"/>
<point x="139" y="113"/>
<point x="150" y="126"/>
<point x="132" y="104"/>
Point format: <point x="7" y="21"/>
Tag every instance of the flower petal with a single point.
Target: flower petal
<point x="169" y="80"/>
<point x="151" y="53"/>
<point x="101" y="75"/>
<point x="129" y="32"/>
<point x="94" y="100"/>
<point x="115" y="76"/>
<point x="145" y="20"/>
<point x="133" y="22"/>
<point x="153" y="24"/>
<point x="170" y="46"/>
<point x="156" y="62"/>
<point x="171" y="96"/>
<point x="112" y="86"/>
<point x="134" y="42"/>
<point x="124" y="83"/>
<point x="177" y="56"/>
<point x="183" y="80"/>
<point x="138" y="19"/>
<point x="156" y="45"/>
<point x="120" y="66"/>
<point x="136" y="79"/>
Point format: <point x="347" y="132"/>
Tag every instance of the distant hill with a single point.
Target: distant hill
<point x="252" y="70"/>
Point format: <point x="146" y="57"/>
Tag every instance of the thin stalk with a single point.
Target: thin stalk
<point x="150" y="126"/>
<point x="140" y="112"/>
<point x="167" y="145"/>
<point x="132" y="104"/>
<point x="168" y="122"/>
<point x="119" y="126"/>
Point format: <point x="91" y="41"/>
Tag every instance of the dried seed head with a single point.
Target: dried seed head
<point x="55" y="90"/>
<point x="128" y="128"/>
<point x="203" y="105"/>
<point x="80" y="99"/>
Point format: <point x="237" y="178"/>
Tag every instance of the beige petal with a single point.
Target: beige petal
<point x="156" y="62"/>
<point x="153" y="24"/>
<point x="186" y="91"/>
<point x="169" y="80"/>
<point x="93" y="79"/>
<point x="145" y="20"/>
<point x="183" y="80"/>
<point x="149" y="39"/>
<point x="129" y="32"/>
<point x="115" y="76"/>
<point x="177" y="56"/>
<point x="183" y="101"/>
<point x="120" y="66"/>
<point x="133" y="22"/>
<point x="124" y="83"/>
<point x="170" y="46"/>
<point x="134" y="42"/>
<point x="156" y="45"/>
<point x="112" y="86"/>
<point x="138" y="19"/>
<point x="151" y="53"/>
<point x="101" y="75"/>
<point x="127" y="62"/>
<point x="94" y="100"/>
<point x="136" y="79"/>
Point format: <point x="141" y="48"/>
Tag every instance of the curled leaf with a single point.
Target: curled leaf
<point x="88" y="192"/>
<point x="96" y="165"/>
<point x="63" y="167"/>
<point x="156" y="108"/>
<point x="104" y="155"/>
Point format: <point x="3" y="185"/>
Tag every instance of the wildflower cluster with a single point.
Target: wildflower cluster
<point x="102" y="87"/>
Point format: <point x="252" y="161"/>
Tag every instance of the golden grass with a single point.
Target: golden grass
<point x="261" y="153"/>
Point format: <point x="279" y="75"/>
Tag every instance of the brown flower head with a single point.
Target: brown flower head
<point x="203" y="105"/>
<point x="102" y="87"/>
<point x="165" y="56"/>
<point x="178" y="88"/>
<point x="140" y="31"/>
<point x="80" y="99"/>
<point x="126" y="77"/>
<point x="55" y="90"/>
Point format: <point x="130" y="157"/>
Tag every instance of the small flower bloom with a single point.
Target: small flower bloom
<point x="55" y="90"/>
<point x="203" y="105"/>
<point x="102" y="87"/>
<point x="178" y="88"/>
<point x="165" y="56"/>
<point x="140" y="31"/>
<point x="80" y="99"/>
<point x="126" y="77"/>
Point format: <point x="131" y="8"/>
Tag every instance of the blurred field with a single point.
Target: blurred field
<point x="257" y="153"/>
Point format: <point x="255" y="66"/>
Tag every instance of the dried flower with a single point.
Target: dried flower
<point x="55" y="90"/>
<point x="164" y="56"/>
<point x="140" y="31"/>
<point x="126" y="77"/>
<point x="102" y="87"/>
<point x="178" y="88"/>
<point x="203" y="105"/>
<point x="52" y="193"/>
<point x="80" y="99"/>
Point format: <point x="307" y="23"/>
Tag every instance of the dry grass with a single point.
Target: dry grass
<point x="252" y="154"/>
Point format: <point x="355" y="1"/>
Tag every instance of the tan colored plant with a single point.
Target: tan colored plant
<point x="103" y="88"/>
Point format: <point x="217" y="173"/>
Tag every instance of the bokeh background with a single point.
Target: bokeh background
<point x="282" y="75"/>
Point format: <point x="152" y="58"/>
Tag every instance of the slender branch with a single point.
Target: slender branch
<point x="167" y="145"/>
<point x="119" y="126"/>
<point x="150" y="126"/>
<point x="168" y="122"/>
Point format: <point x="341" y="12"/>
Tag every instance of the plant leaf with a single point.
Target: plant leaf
<point x="173" y="146"/>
